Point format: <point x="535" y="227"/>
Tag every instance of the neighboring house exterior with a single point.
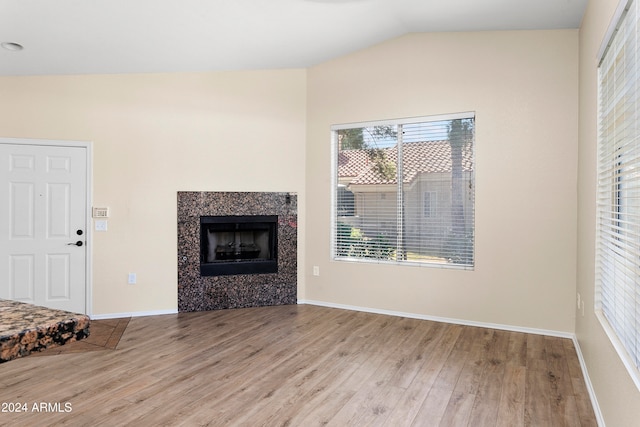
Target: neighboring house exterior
<point x="367" y="199"/>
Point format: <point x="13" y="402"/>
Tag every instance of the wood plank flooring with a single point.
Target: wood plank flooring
<point x="302" y="366"/>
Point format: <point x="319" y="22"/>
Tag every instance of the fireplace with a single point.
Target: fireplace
<point x="219" y="264"/>
<point x="238" y="245"/>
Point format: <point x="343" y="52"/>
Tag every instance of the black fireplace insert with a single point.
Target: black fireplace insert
<point x="238" y="245"/>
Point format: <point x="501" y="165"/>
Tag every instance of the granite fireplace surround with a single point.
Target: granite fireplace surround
<point x="201" y="293"/>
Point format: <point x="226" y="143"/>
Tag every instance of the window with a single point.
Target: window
<point x="409" y="185"/>
<point x="430" y="202"/>
<point x="618" y="190"/>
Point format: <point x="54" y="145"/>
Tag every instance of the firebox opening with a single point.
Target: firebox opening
<point x="238" y="245"/>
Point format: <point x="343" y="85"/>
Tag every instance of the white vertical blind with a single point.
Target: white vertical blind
<point x="404" y="191"/>
<point x="618" y="190"/>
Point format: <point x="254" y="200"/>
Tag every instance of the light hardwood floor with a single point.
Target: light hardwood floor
<point x="303" y="366"/>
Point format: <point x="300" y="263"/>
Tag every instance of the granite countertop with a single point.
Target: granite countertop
<point x="26" y="327"/>
<point x="16" y="316"/>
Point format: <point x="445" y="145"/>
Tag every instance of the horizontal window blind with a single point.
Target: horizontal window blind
<point x="618" y="190"/>
<point x="404" y="191"/>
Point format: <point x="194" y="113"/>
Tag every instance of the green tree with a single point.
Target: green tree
<point x="460" y="135"/>
<point x="351" y="139"/>
<point x="369" y="139"/>
<point x="366" y="138"/>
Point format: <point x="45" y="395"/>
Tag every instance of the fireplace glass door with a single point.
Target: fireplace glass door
<point x="238" y="245"/>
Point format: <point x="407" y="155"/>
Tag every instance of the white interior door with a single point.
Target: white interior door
<point x="43" y="221"/>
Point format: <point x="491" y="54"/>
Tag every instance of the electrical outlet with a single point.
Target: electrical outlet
<point x="316" y="270"/>
<point x="132" y="278"/>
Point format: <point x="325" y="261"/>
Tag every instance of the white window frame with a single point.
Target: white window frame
<point x="334" y="183"/>
<point x="433" y="204"/>
<point x="610" y="205"/>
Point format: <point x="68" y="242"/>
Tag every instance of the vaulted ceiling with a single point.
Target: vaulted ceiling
<point x="133" y="36"/>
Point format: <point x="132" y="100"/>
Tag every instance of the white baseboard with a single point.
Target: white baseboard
<point x="587" y="381"/>
<point x="511" y="328"/>
<point x="560" y="334"/>
<point x="132" y="314"/>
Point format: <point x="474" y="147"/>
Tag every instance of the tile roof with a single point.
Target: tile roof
<point x="419" y="157"/>
<point x="352" y="162"/>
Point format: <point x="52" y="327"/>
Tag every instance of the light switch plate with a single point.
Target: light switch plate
<point x="101" y="225"/>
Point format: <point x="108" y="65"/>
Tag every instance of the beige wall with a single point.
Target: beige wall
<point x="154" y="135"/>
<point x="618" y="397"/>
<point x="523" y="87"/>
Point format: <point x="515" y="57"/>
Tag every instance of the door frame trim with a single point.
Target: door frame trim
<point x="88" y="146"/>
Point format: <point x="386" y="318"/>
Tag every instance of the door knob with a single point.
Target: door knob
<point x="78" y="243"/>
